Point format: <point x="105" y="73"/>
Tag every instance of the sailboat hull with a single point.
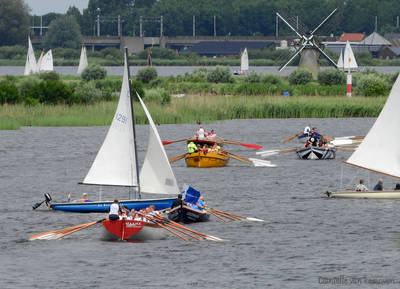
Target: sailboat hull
<point x="383" y="195"/>
<point x="316" y="153"/>
<point x="104" y="206"/>
<point x="209" y="160"/>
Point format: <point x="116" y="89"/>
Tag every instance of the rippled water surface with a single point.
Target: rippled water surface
<point x="308" y="239"/>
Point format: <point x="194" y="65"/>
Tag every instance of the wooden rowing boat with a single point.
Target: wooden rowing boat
<point x="186" y="214"/>
<point x="206" y="160"/>
<point x="125" y="229"/>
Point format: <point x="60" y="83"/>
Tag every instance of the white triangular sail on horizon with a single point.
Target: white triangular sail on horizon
<point x="347" y="60"/>
<point x="30" y="64"/>
<point x="156" y="175"/>
<point x="380" y="149"/>
<point x="46" y="64"/>
<point x="83" y="63"/>
<point x="39" y="62"/>
<point x="115" y="163"/>
<point x="244" y="61"/>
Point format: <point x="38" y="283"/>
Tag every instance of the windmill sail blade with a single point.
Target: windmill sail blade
<point x="293" y="57"/>
<point x="288" y="24"/>
<point x="326" y="56"/>
<point x="326" y="19"/>
<point x="156" y="175"/>
<point x="115" y="163"/>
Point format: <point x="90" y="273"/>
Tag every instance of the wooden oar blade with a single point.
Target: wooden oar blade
<point x="177" y="158"/>
<point x="254" y="219"/>
<point x="166" y="142"/>
<point x="262" y="163"/>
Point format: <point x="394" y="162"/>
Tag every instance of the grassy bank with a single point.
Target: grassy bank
<point x="192" y="108"/>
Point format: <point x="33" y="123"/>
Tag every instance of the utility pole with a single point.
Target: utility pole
<point x="119" y="25"/>
<point x="194" y="24"/>
<point x="397" y="22"/>
<point x="376" y="23"/>
<point x="215" y="26"/>
<point x="141" y="26"/>
<point x="276" y="27"/>
<point x="161" y="26"/>
<point x="41" y="25"/>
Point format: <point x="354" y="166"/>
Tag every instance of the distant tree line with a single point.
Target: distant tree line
<point x="234" y="17"/>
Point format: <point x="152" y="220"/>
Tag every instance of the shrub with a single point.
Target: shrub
<point x="51" y="92"/>
<point x="158" y="95"/>
<point x="111" y="52"/>
<point x="137" y="86"/>
<point x="331" y="77"/>
<point x="26" y="84"/>
<point x="252" y="77"/>
<point x="300" y="76"/>
<point x="199" y="75"/>
<point x="147" y="74"/>
<point x="8" y="92"/>
<point x="52" y="75"/>
<point x="219" y="74"/>
<point x="371" y="85"/>
<point x="87" y="93"/>
<point x="272" y="78"/>
<point x="93" y="72"/>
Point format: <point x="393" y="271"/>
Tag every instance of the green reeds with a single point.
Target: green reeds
<point x="191" y="108"/>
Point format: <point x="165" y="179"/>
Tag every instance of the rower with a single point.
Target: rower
<point x="191" y="147"/>
<point x="114" y="211"/>
<point x="201" y="133"/>
<point x="306" y="132"/>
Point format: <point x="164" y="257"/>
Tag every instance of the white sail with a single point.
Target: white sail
<point x="39" y="62"/>
<point x="380" y="149"/>
<point x="83" y="63"/>
<point x="115" y="163"/>
<point x="347" y="61"/>
<point x="30" y="64"/>
<point x="156" y="175"/>
<point x="340" y="60"/>
<point x="46" y="64"/>
<point x="244" y="61"/>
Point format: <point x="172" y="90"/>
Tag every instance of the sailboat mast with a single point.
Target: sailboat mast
<point x="133" y="126"/>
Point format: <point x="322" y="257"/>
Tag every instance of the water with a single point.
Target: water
<point x="181" y="70"/>
<point x="308" y="237"/>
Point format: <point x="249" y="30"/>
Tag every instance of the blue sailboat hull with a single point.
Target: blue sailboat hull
<point x="104" y="206"/>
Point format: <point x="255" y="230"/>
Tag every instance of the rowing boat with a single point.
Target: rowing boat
<point x="316" y="153"/>
<point x="206" y="160"/>
<point x="187" y="214"/>
<point x="125" y="229"/>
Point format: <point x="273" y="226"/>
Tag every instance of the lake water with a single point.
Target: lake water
<point x="181" y="70"/>
<point x="308" y="241"/>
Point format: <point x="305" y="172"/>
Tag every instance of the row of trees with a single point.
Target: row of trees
<point x="235" y="17"/>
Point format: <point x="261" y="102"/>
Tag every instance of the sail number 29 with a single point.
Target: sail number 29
<point x="121" y="118"/>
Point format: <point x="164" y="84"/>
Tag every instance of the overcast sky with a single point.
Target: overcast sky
<point x="41" y="7"/>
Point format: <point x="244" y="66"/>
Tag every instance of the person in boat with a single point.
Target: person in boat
<point x="201" y="203"/>
<point x="379" y="185"/>
<point x="323" y="143"/>
<point x="178" y="202"/>
<point x="214" y="149"/>
<point x="115" y="210"/>
<point x="212" y="135"/>
<point x="361" y="187"/>
<point x="84" y="199"/>
<point x="306" y="132"/>
<point x="200" y="133"/>
<point x="314" y="133"/>
<point x="191" y="147"/>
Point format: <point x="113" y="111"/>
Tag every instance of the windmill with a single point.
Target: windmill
<point x="309" y="48"/>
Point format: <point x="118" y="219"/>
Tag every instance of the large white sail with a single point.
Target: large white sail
<point x="340" y="60"/>
<point x="380" y="149"/>
<point x="47" y="62"/>
<point x="156" y="175"/>
<point x="244" y="61"/>
<point x="30" y="64"/>
<point x="39" y="62"/>
<point x="83" y="63"/>
<point x="347" y="60"/>
<point x="115" y="163"/>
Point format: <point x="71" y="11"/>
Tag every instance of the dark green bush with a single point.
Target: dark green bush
<point x="26" y="84"/>
<point x="111" y="52"/>
<point x="51" y="92"/>
<point x="93" y="72"/>
<point x="219" y="74"/>
<point x="300" y="76"/>
<point x="52" y="75"/>
<point x="8" y="92"/>
<point x="158" y="95"/>
<point x="272" y="78"/>
<point x="137" y="86"/>
<point x="331" y="77"/>
<point x="372" y="85"/>
<point x="113" y="85"/>
<point x="147" y="74"/>
<point x="87" y="92"/>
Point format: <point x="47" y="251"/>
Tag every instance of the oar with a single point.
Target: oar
<point x="252" y="161"/>
<point x="327" y="137"/>
<point x="291" y="137"/>
<point x="164" y="227"/>
<point x="166" y="142"/>
<point x="58" y="234"/>
<point x="216" y="215"/>
<point x="159" y="220"/>
<point x="275" y="152"/>
<point x="345" y="148"/>
<point x="248" y="145"/>
<point x="177" y="158"/>
<point x="240" y="217"/>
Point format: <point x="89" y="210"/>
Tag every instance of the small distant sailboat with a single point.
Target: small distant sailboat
<point x="83" y="63"/>
<point x="40" y="59"/>
<point x="30" y="64"/>
<point x="347" y="61"/>
<point x="244" y="63"/>
<point x="46" y="63"/>
<point x="379" y="150"/>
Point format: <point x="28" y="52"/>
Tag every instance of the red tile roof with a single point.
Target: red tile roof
<point x="351" y="37"/>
